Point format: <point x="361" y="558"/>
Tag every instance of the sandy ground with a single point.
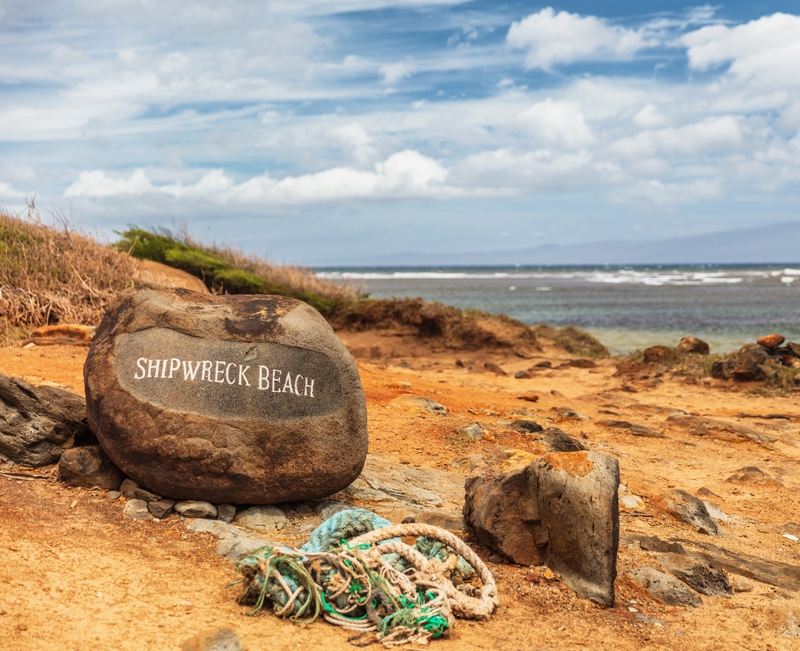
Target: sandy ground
<point x="78" y="576"/>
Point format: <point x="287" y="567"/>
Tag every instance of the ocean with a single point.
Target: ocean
<point x="625" y="307"/>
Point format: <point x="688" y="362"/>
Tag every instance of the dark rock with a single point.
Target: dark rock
<point x="523" y="375"/>
<point x="578" y="363"/>
<point x="693" y="345"/>
<point x="560" y="510"/>
<point x="230" y="399"/>
<point x="665" y="588"/>
<point x="793" y="348"/>
<point x="88" y="467"/>
<point x="771" y="341"/>
<point x="557" y="441"/>
<point x="133" y="491"/>
<point x="659" y="355"/>
<point x="688" y="508"/>
<point x="636" y="430"/>
<point x="38" y="423"/>
<point x="497" y="559"/>
<point x="227" y="512"/>
<point x="161" y="508"/>
<point x="754" y="476"/>
<point x="459" y="363"/>
<point x="494" y="368"/>
<point x="697" y="573"/>
<point x="544" y="365"/>
<point x="526" y="426"/>
<point x="215" y="639"/>
<point x="196" y="509"/>
<point x="136" y="510"/>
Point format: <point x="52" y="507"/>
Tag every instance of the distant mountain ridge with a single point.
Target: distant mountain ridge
<point x="770" y="244"/>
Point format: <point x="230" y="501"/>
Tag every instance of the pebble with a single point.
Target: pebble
<point x="529" y="397"/>
<point x="631" y="503"/>
<point x="473" y="432"/>
<point x="495" y="558"/>
<point x="327" y="508"/>
<point x="136" y="510"/>
<point x="133" y="491"/>
<point x="236" y="549"/>
<point x="196" y="509"/>
<point x="226" y="512"/>
<point x="161" y="508"/>
<point x="523" y="375"/>
<point x="215" y="639"/>
<point x="113" y="495"/>
<point x="304" y="509"/>
<point x="262" y="518"/>
<point x="771" y="341"/>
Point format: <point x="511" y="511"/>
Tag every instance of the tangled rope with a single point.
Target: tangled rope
<point x="374" y="585"/>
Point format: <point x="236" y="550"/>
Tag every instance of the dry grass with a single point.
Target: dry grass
<point x="52" y="275"/>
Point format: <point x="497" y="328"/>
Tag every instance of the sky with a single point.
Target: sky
<point x="317" y="132"/>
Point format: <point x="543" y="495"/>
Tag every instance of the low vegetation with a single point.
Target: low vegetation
<point x="56" y="274"/>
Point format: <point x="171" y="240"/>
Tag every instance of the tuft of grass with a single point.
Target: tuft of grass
<point x="54" y="274"/>
<point x="227" y="270"/>
<point x="573" y="340"/>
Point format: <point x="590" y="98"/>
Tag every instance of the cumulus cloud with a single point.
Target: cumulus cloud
<point x="406" y="173"/>
<point x="711" y="136"/>
<point x="763" y="52"/>
<point x="394" y="72"/>
<point x="560" y="38"/>
<point x="558" y="122"/>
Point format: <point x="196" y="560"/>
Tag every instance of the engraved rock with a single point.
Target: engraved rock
<point x="228" y="399"/>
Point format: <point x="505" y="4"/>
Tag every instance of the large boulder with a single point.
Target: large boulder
<point x="561" y="510"/>
<point x="227" y="399"/>
<point x="38" y="423"/>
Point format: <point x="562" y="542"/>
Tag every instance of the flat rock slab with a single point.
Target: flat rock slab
<point x="688" y="508"/>
<point x="698" y="574"/>
<point x="38" y="423"/>
<point x="383" y="480"/>
<point x="227" y="399"/>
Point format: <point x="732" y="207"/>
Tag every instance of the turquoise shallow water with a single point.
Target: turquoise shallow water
<point x="625" y="307"/>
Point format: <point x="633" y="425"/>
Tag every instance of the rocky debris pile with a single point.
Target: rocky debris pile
<point x="561" y="510"/>
<point x="243" y="399"/>
<point x="760" y="361"/>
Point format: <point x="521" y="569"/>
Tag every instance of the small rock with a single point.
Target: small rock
<point x="236" y="549"/>
<point x="496" y="558"/>
<point x="693" y="345"/>
<point x="89" y="467"/>
<point x="473" y="432"/>
<point x="578" y="363"/>
<point x="304" y="509"/>
<point x="420" y="403"/>
<point x="215" y="639"/>
<point x="714" y="511"/>
<point x="658" y="355"/>
<point x="543" y="365"/>
<point x="227" y="512"/>
<point x="740" y="584"/>
<point x="131" y="490"/>
<point x="113" y="495"/>
<point x="697" y="574"/>
<point x="399" y="385"/>
<point x="753" y="476"/>
<point x="161" y="508"/>
<point x="216" y="527"/>
<point x="443" y="520"/>
<point x="688" y="508"/>
<point x="523" y="375"/>
<point x="771" y="341"/>
<point x="196" y="509"/>
<point x="705" y="492"/>
<point x="526" y="426"/>
<point x="529" y="397"/>
<point x="459" y="363"/>
<point x="568" y="414"/>
<point x="664" y="587"/>
<point x="783" y="621"/>
<point x="556" y="440"/>
<point x="136" y="510"/>
<point x="262" y="518"/>
<point x="327" y="508"/>
<point x="631" y="503"/>
<point x="494" y="368"/>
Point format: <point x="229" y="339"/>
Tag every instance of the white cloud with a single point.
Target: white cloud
<point x="394" y="72"/>
<point x="650" y="116"/>
<point x="763" y="53"/>
<point x="711" y="136"/>
<point x="8" y="191"/>
<point x="404" y="174"/>
<point x="558" y="38"/>
<point x="557" y="122"/>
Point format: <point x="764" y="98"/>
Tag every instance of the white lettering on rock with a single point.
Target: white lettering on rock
<point x="272" y="380"/>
